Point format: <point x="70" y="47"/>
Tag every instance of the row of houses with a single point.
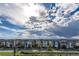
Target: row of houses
<point x="40" y="43"/>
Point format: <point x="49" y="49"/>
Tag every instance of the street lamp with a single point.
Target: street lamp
<point x="14" y="44"/>
<point x="14" y="48"/>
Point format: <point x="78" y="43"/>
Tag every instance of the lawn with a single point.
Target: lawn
<point x="6" y="53"/>
<point x="48" y="53"/>
<point x="41" y="53"/>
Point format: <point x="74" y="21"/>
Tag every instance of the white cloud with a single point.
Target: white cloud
<point x="75" y="37"/>
<point x="57" y="28"/>
<point x="13" y="11"/>
<point x="67" y="8"/>
<point x="76" y="16"/>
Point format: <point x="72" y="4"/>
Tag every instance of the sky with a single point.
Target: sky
<point x="39" y="20"/>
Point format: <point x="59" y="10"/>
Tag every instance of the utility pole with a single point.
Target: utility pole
<point x="14" y="48"/>
<point x="14" y="44"/>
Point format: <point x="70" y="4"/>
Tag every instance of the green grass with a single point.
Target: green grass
<point x="6" y="53"/>
<point x="40" y="53"/>
<point x="48" y="53"/>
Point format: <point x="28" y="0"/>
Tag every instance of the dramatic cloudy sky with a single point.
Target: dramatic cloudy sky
<point x="39" y="21"/>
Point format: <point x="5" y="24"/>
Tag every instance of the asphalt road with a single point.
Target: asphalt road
<point x="6" y="50"/>
<point x="40" y="51"/>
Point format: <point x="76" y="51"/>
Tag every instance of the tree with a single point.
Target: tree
<point x="49" y="46"/>
<point x="2" y="45"/>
